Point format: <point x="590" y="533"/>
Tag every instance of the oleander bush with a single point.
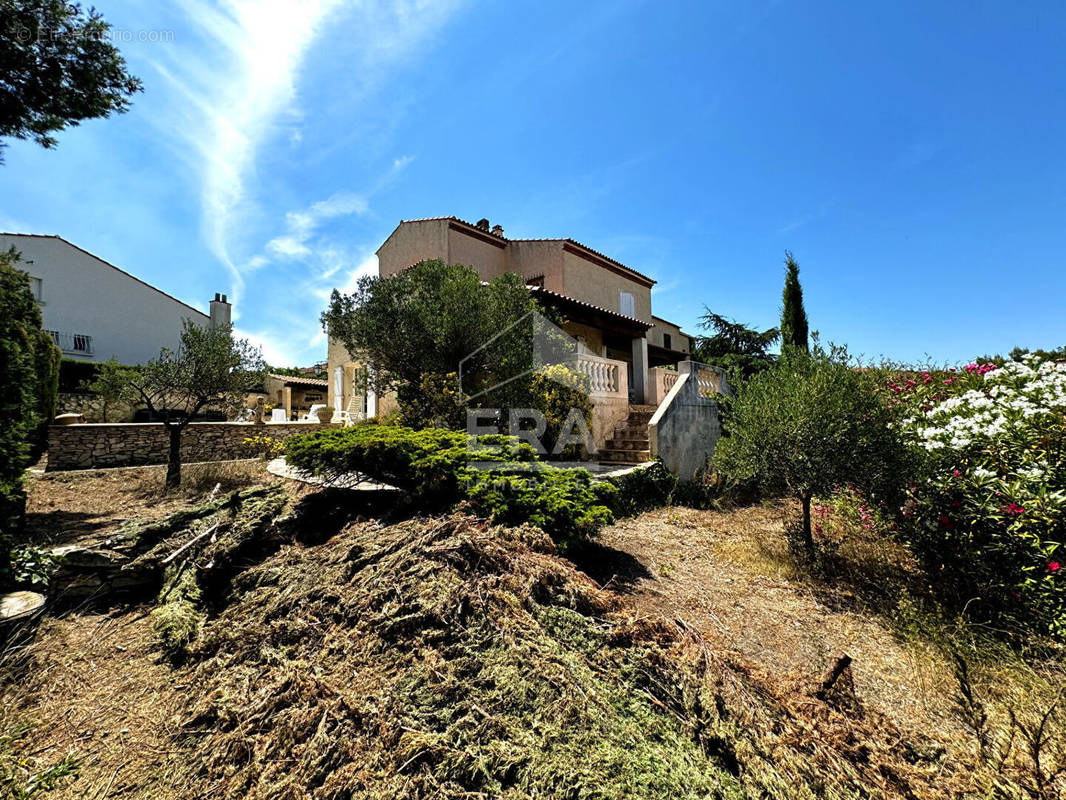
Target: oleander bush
<point x="988" y="515"/>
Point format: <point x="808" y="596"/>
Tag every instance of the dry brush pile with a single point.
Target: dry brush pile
<point x="446" y="657"/>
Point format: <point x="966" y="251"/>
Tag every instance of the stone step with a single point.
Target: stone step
<point x="610" y="456"/>
<point x="631" y="433"/>
<point x="628" y="444"/>
<point x="640" y="417"/>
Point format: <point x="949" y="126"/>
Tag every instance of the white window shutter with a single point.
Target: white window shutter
<point x="627" y="304"/>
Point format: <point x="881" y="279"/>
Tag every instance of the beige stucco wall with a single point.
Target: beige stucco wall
<point x="678" y="340"/>
<point x="591" y="337"/>
<point x="488" y="258"/>
<point x="413" y="242"/>
<point x="592" y="283"/>
<point x="535" y="259"/>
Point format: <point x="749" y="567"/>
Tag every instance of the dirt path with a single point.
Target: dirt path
<point x="730" y="576"/>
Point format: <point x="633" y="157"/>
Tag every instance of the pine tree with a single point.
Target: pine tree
<point x="793" y="317"/>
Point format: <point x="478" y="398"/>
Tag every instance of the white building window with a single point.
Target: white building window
<point x="35" y="288"/>
<point x="627" y="304"/>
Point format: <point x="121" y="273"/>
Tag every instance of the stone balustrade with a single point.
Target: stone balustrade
<point x="660" y="381"/>
<point x="606" y="376"/>
<point x="137" y="444"/>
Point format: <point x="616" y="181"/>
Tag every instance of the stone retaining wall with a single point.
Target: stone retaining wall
<point x="135" y="444"/>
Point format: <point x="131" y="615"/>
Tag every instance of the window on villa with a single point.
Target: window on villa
<point x="35" y="288"/>
<point x="666" y="341"/>
<point x="627" y="304"/>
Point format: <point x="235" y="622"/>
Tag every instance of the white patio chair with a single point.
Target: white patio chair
<point x="312" y="415"/>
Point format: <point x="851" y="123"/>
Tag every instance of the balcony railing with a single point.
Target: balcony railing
<point x="606" y="376"/>
<point x="80" y="343"/>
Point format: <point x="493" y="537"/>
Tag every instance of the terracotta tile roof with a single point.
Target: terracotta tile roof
<point x="545" y="239"/>
<point x="600" y="309"/>
<point x="300" y="380"/>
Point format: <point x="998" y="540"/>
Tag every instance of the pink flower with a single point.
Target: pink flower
<point x="1053" y="566"/>
<point x="956" y="473"/>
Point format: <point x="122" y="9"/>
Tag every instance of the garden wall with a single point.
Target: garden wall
<point x="134" y="444"/>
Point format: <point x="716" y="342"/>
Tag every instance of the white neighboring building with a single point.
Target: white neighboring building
<point x="96" y="311"/>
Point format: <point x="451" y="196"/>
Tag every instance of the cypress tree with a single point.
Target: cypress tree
<point x="793" y="317"/>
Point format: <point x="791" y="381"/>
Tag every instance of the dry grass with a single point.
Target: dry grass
<point x="443" y="658"/>
<point x="734" y="577"/>
<point x="66" y="506"/>
<point x="448" y="658"/>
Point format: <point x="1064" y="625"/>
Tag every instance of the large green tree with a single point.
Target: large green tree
<point x="734" y="346"/>
<point x="57" y="68"/>
<point x="793" y="315"/>
<point x="209" y="370"/>
<point x="809" y="424"/>
<point x="29" y="373"/>
<point x="414" y="329"/>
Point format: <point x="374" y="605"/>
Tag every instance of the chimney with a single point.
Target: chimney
<point x="220" y="311"/>
<point x="483" y="224"/>
<point x="497" y="230"/>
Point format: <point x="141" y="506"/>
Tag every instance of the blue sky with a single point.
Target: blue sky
<point x="912" y="156"/>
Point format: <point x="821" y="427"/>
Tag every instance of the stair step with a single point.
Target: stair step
<point x="640" y="416"/>
<point x="628" y="444"/>
<point x="623" y="456"/>
<point x="631" y="433"/>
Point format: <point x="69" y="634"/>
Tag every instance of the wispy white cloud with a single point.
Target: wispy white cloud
<point x="233" y="96"/>
<point x="234" y="100"/>
<point x="302" y="225"/>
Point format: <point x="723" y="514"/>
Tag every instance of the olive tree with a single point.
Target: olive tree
<point x="112" y="385"/>
<point x="807" y="425"/>
<point x="209" y="370"/>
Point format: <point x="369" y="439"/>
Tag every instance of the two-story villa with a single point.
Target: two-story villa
<point x="606" y="305"/>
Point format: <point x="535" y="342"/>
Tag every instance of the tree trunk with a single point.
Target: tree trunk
<point x="807" y="537"/>
<point x="174" y="459"/>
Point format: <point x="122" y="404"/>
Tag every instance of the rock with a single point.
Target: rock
<point x="20" y="606"/>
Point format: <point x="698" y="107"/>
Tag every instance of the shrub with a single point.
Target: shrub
<point x="557" y="391"/>
<point x="810" y="424"/>
<point x="75" y="375"/>
<point x="29" y="363"/>
<point x="434" y="403"/>
<point x="565" y="503"/>
<point x="497" y="476"/>
<point x="988" y="515"/>
<point x="427" y="461"/>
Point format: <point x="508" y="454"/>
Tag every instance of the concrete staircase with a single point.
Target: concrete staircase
<point x="629" y="442"/>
